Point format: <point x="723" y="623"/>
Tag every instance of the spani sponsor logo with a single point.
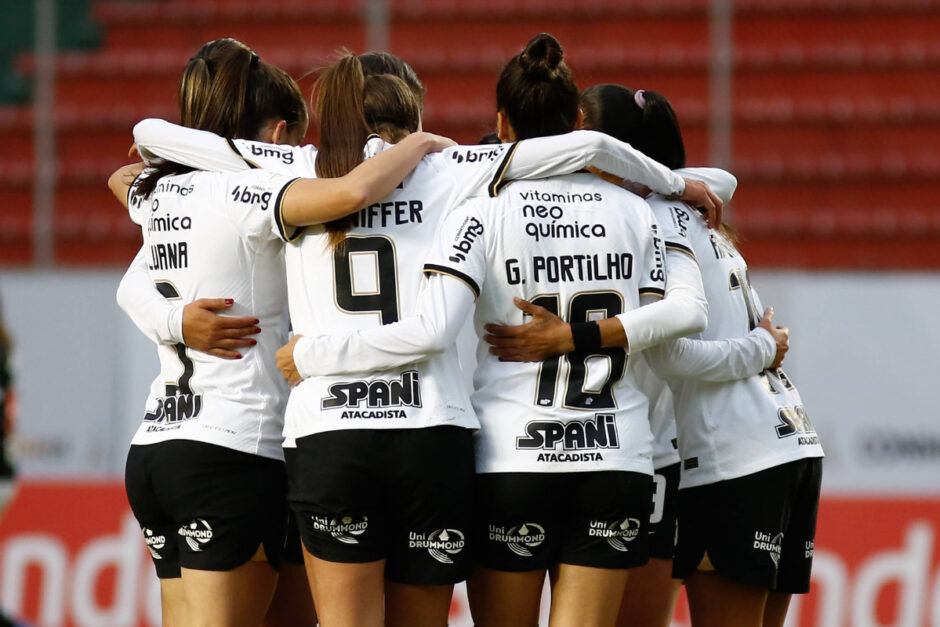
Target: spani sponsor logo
<point x="405" y="391"/>
<point x="599" y="432"/>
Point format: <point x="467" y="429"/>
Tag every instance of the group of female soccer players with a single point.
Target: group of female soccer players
<point x="374" y="248"/>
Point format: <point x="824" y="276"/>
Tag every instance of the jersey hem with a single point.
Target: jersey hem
<point x="744" y="471"/>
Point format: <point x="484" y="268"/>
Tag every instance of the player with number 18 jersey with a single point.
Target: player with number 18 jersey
<point x="585" y="250"/>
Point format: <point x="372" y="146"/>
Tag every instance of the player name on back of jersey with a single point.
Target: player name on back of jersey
<point x="169" y="255"/>
<point x="389" y="213"/>
<point x="545" y="217"/>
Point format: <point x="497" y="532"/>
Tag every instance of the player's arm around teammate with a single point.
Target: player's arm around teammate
<point x="584" y="583"/>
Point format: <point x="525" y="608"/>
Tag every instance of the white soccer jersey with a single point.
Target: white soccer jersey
<point x="728" y="429"/>
<point x="586" y="250"/>
<point x="208" y="234"/>
<point x="373" y="280"/>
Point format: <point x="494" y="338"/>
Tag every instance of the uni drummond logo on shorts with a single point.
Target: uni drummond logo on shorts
<point x="196" y="533"/>
<point x="618" y="533"/>
<point x="154" y="542"/>
<point x="440" y="543"/>
<point x="519" y="539"/>
<point x="345" y="529"/>
<point x="772" y="544"/>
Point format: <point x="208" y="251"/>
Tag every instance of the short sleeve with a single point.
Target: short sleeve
<point x="459" y="247"/>
<point x="253" y="201"/>
<point x="653" y="276"/>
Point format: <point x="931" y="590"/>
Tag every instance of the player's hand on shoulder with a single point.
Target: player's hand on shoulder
<point x="432" y="142"/>
<point x="545" y="335"/>
<point x="780" y="334"/>
<point x="221" y="336"/>
<point x="699" y="194"/>
<point x="285" y="362"/>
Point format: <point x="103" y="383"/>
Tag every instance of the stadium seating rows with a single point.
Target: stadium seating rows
<point x="836" y="104"/>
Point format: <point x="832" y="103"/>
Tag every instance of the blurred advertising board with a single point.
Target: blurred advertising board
<point x="71" y="554"/>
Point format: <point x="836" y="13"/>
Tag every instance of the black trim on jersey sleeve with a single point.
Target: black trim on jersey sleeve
<point x="682" y="248"/>
<point x="231" y="144"/>
<point x="653" y="291"/>
<point x="497" y="184"/>
<point x="279" y="215"/>
<point x="430" y="268"/>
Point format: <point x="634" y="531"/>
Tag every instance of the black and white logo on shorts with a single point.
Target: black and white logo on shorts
<point x="154" y="542"/>
<point x="197" y="533"/>
<point x="619" y="534"/>
<point x="343" y="528"/>
<point x="440" y="543"/>
<point x="763" y="541"/>
<point x="520" y="539"/>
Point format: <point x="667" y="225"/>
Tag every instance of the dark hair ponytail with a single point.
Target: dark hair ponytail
<point x="536" y="90"/>
<point x="343" y="127"/>
<point x="643" y="119"/>
<point x="356" y="97"/>
<point x="227" y="90"/>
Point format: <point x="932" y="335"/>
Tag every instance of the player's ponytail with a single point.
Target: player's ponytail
<point x="217" y="73"/>
<point x="536" y="90"/>
<point x="642" y="118"/>
<point x="343" y="127"/>
<point x="356" y="97"/>
<point x="227" y="90"/>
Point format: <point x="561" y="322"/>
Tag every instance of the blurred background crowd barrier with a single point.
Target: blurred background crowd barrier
<point x="828" y="111"/>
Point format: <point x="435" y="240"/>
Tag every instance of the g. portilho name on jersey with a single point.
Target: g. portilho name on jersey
<point x="571" y="440"/>
<point x="383" y="398"/>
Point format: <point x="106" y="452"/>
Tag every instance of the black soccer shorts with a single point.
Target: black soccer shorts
<point x="665" y="510"/>
<point x="403" y="495"/>
<point x="759" y="529"/>
<point x="527" y="521"/>
<point x="206" y="507"/>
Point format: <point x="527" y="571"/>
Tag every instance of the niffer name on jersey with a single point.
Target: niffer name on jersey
<point x="402" y="392"/>
<point x="392" y="213"/>
<point x="573" y="268"/>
